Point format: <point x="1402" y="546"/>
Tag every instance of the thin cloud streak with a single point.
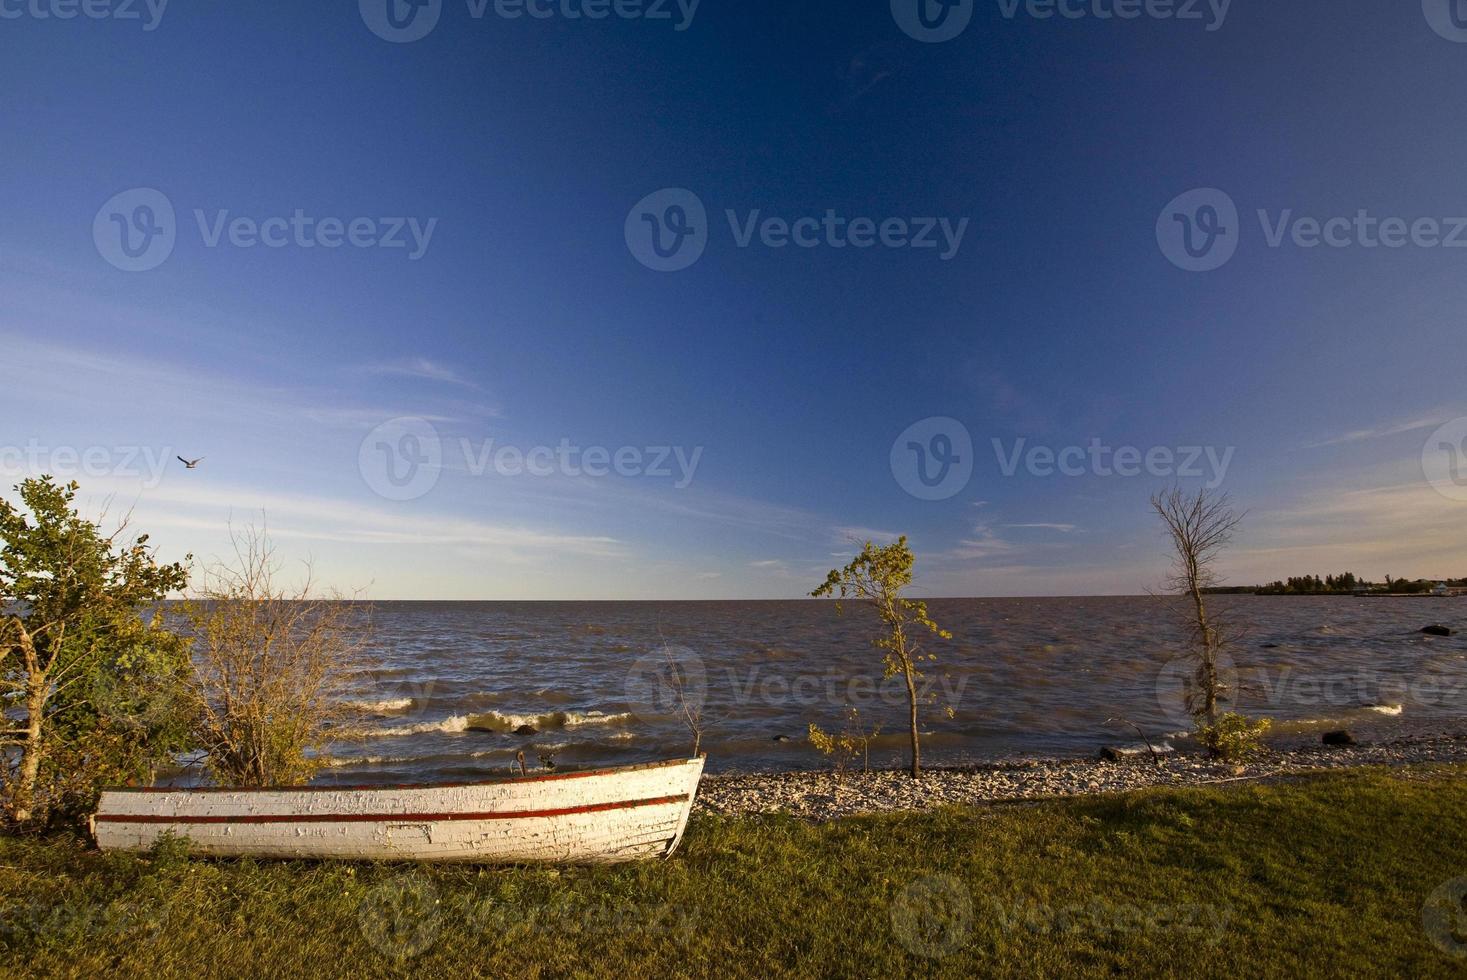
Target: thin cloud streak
<point x="94" y="375"/>
<point x="421" y="368"/>
<point x="330" y="519"/>
<point x="1383" y="430"/>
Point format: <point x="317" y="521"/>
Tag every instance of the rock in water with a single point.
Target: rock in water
<point x="527" y="730"/>
<point x="1437" y="629"/>
<point x="781" y="738"/>
<point x="1338" y="738"/>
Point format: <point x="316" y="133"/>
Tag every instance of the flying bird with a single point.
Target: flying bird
<point x="190" y="463"/>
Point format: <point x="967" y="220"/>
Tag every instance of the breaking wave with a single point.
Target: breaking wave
<point x="457" y="723"/>
<point x="494" y="721"/>
<point x="345" y="762"/>
<point x="386" y="706"/>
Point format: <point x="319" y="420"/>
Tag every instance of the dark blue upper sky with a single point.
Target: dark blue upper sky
<point x="1059" y="319"/>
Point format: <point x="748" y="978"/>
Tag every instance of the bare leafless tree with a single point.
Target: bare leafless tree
<point x="1200" y="526"/>
<point x="689" y="707"/>
<point x="274" y="668"/>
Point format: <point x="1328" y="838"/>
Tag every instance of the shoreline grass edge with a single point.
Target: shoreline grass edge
<point x="1359" y="872"/>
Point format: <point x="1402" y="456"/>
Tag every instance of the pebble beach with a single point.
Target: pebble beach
<point x="822" y="796"/>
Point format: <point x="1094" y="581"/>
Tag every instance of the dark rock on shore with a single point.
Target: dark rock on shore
<point x="527" y="730"/>
<point x="1437" y="629"/>
<point x="1338" y="738"/>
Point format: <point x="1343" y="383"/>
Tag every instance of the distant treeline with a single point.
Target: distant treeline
<point x="1346" y="583"/>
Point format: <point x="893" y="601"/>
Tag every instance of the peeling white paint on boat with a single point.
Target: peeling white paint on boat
<point x="603" y="816"/>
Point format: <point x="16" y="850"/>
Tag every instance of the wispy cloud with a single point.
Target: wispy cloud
<point x="154" y="386"/>
<point x="302" y="517"/>
<point x="986" y="548"/>
<point x="695" y="503"/>
<point x="860" y="535"/>
<point x="1392" y="428"/>
<point x="420" y="368"/>
<point x="982" y="544"/>
<point x="1406" y="529"/>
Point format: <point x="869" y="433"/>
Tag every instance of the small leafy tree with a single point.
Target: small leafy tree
<point x="876" y="577"/>
<point x="91" y="690"/>
<point x="853" y="741"/>
<point x="275" y="668"/>
<point x="1200" y="526"/>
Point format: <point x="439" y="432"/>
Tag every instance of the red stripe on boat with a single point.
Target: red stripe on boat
<point x="387" y="817"/>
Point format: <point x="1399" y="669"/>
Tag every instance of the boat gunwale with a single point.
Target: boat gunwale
<point x="389" y="787"/>
<point x="447" y="816"/>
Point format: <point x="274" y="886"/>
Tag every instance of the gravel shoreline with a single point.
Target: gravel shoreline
<point x="820" y="796"/>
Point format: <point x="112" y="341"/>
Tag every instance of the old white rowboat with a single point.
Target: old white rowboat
<point x="601" y="816"/>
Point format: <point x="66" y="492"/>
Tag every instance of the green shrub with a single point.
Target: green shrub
<point x="1235" y="737"/>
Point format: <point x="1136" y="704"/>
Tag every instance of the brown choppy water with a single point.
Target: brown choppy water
<point x="1024" y="677"/>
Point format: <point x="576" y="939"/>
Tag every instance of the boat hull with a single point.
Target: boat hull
<point x="605" y="816"/>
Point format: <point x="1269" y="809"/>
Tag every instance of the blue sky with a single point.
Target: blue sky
<point x="1320" y="374"/>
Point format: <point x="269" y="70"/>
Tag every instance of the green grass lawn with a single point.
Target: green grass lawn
<point x="1323" y="876"/>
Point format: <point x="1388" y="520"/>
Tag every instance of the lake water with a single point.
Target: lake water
<point x="1024" y="677"/>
